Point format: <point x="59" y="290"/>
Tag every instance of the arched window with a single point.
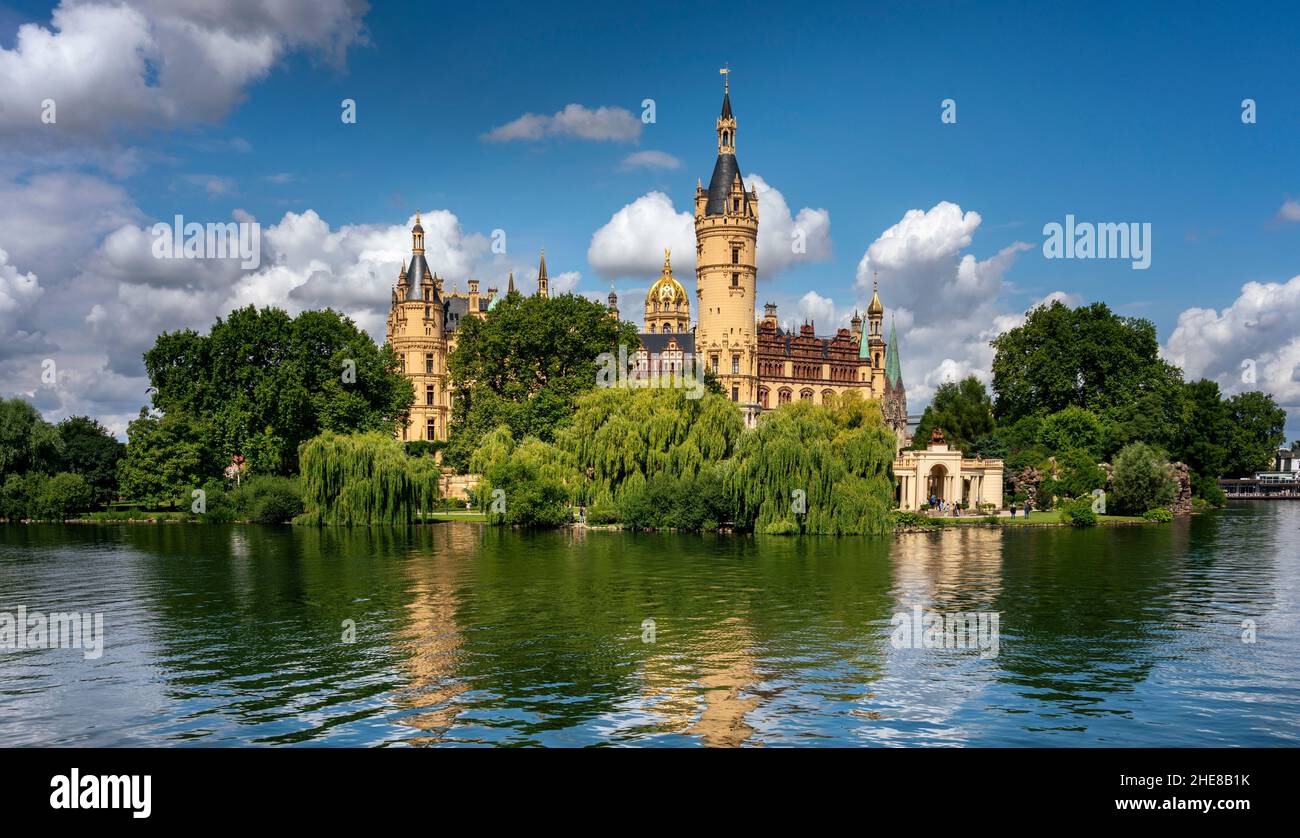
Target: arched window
<point x="806" y="395"/>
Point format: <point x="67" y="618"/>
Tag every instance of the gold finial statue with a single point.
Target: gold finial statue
<point x="667" y="267"/>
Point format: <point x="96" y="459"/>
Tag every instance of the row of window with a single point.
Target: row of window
<point x="785" y="394"/>
<point x="428" y="363"/>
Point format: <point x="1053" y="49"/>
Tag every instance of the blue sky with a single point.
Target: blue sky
<point x="1109" y="112"/>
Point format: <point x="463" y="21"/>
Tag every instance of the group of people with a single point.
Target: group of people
<point x="945" y="506"/>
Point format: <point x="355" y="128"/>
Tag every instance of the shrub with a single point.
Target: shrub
<point x="600" y="515"/>
<point x="1141" y="480"/>
<point x="1208" y="488"/>
<point x="781" y="527"/>
<point x="58" y="497"/>
<point x="687" y="503"/>
<point x="267" y="500"/>
<point x="1078" y="512"/>
<point x="1159" y="515"/>
<point x="900" y="519"/>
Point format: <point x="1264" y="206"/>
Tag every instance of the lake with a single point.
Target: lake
<point x="461" y="634"/>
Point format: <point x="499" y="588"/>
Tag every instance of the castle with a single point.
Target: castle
<point x="759" y="365"/>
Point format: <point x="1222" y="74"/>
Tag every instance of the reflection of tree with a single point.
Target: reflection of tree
<point x="248" y="620"/>
<point x="1086" y="613"/>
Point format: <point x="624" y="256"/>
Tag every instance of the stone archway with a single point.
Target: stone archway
<point x="934" y="483"/>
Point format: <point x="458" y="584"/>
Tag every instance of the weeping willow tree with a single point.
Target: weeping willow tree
<point x="822" y="469"/>
<point x="619" y="438"/>
<point x="529" y="483"/>
<point x="363" y="479"/>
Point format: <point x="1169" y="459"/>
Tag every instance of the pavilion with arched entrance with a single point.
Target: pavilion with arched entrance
<point x="941" y="472"/>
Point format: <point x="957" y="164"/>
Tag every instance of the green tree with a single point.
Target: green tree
<point x="261" y="383"/>
<point x="525" y="364"/>
<point x="91" y="451"/>
<point x="27" y="441"/>
<point x="62" y="495"/>
<point x="526" y="484"/>
<point x="1079" y="474"/>
<point x="815" y="469"/>
<point x="1203" y="434"/>
<point x="1088" y="357"/>
<point x="619" y="438"/>
<point x="1258" y="429"/>
<point x="164" y="461"/>
<point x="360" y="479"/>
<point x="964" y="411"/>
<point x="1072" y="429"/>
<point x="1140" y="480"/>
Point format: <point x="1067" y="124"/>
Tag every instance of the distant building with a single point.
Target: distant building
<point x="941" y="472"/>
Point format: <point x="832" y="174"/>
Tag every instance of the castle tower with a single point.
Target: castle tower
<point x="613" y="303"/>
<point x="417" y="333"/>
<point x="873" y="347"/>
<point x="543" y="282"/>
<point x="667" y="305"/>
<point x="726" y="242"/>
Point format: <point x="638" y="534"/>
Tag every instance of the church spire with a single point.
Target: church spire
<point x="543" y="283"/>
<point x="893" y="372"/>
<point x="510" y="288"/>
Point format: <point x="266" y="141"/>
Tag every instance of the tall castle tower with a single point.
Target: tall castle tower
<point x="726" y="244"/>
<point x="417" y="333"/>
<point x="873" y="347"/>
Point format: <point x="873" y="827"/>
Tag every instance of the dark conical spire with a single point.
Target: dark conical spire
<point x="543" y="283"/>
<point x="511" y="288"/>
<point x="893" y="372"/>
<point x="726" y="92"/>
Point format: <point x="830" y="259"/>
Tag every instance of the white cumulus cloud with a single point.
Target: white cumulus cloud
<point x="1253" y="344"/>
<point x="108" y="66"/>
<point x="576" y="121"/>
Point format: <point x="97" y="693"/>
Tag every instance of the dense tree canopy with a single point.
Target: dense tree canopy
<point x="364" y="479"/>
<point x="622" y="437"/>
<point x="165" y="459"/>
<point x="815" y="469"/>
<point x="1087" y="379"/>
<point x="91" y="451"/>
<point x="1087" y="357"/>
<point x="964" y="411"/>
<point x="27" y="441"/>
<point x="261" y="383"/>
<point x="1258" y="429"/>
<point x="525" y="364"/>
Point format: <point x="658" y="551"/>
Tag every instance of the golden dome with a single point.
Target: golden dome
<point x="875" y="308"/>
<point x="666" y="289"/>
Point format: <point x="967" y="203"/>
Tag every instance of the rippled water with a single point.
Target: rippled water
<point x="470" y="635"/>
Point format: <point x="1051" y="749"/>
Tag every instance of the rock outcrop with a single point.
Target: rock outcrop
<point x="1182" y="504"/>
